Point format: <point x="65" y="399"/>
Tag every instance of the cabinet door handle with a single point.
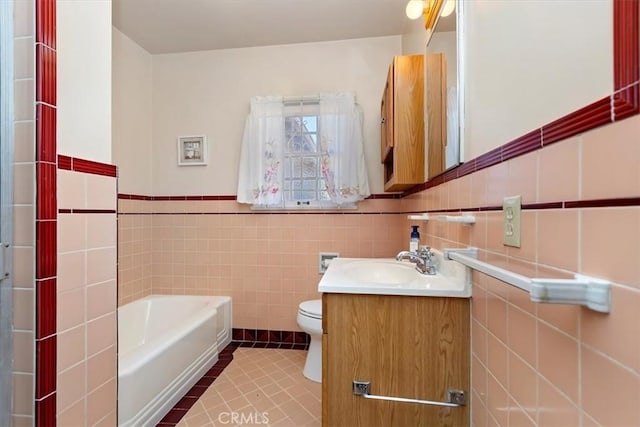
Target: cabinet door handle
<point x="455" y="397"/>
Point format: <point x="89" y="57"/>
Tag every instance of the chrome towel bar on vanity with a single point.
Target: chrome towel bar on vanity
<point x="455" y="397"/>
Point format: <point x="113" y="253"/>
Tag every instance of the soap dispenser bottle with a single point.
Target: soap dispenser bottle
<point x="414" y="241"/>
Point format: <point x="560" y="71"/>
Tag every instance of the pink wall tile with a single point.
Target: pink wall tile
<point x="71" y="190"/>
<point x="615" y="334"/>
<point x="23" y="394"/>
<point x="71" y="270"/>
<point x="23" y="350"/>
<point x="101" y="265"/>
<point x="616" y="147"/>
<point x="497" y="183"/>
<point x="101" y="368"/>
<point x="71" y="232"/>
<point x="562" y="316"/>
<point x="497" y="402"/>
<point x="101" y="402"/>
<point x="70" y="308"/>
<point x="71" y="345"/>
<point x="101" y="230"/>
<point x="101" y="299"/>
<point x="522" y="334"/>
<point x="523" y="178"/>
<point x="523" y="385"/>
<point x="74" y="415"/>
<point x="24" y="137"/>
<point x="23" y="309"/>
<point x="554" y="409"/>
<point x="497" y="316"/>
<point x="101" y="334"/>
<point x="610" y="392"/>
<point x="558" y="171"/>
<point x="23" y="229"/>
<point x="519" y="416"/>
<point x="558" y="238"/>
<point x="71" y="387"/>
<point x="615" y="228"/>
<point x="557" y="357"/>
<point x="498" y="356"/>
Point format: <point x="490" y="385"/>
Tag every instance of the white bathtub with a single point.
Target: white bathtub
<point x="166" y="343"/>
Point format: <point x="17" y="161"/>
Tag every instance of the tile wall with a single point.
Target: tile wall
<point x="267" y="262"/>
<point x="24" y="215"/>
<point x="542" y="364"/>
<point x="135" y="247"/>
<point x="86" y="294"/>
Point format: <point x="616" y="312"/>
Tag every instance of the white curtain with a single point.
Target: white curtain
<point x="260" y="176"/>
<point x="343" y="164"/>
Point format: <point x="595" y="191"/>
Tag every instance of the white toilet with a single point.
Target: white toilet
<point x="310" y="321"/>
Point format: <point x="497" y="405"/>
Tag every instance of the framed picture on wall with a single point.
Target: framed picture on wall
<point x="192" y="150"/>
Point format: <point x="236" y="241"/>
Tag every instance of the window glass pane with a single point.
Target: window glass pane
<point x="296" y="184"/>
<point x="287" y="184"/>
<point x="309" y="184"/>
<point x="307" y="195"/>
<point x="322" y="185"/>
<point x="296" y="165"/>
<point x="310" y="123"/>
<point x="287" y="167"/>
<point x="309" y="167"/>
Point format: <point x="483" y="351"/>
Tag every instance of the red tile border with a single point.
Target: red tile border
<point x="45" y="74"/>
<point x="45" y="133"/>
<point x="46" y="213"/>
<point x="46" y="22"/>
<point x="134" y="197"/>
<point x="180" y="409"/>
<point x="520" y="146"/>
<point x="95" y="168"/>
<point x="46" y="411"/>
<point x="64" y="162"/>
<point x="46" y="300"/>
<point x="626" y="102"/>
<point x="46" y="250"/>
<point x="590" y="117"/>
<point x="46" y="202"/>
<point x="45" y="367"/>
<point x="626" y="64"/>
<point x="603" y="203"/>
<point x="86" y="166"/>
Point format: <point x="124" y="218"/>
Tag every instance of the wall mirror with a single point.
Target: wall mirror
<point x="443" y="90"/>
<point x="529" y="63"/>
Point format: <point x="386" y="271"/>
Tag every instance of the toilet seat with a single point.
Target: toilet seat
<point x="312" y="309"/>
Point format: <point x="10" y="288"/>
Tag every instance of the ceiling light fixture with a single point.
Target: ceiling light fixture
<point x="430" y="9"/>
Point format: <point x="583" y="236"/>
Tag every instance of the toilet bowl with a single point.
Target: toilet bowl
<point x="310" y="321"/>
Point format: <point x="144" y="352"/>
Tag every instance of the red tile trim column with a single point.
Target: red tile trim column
<point x="46" y="214"/>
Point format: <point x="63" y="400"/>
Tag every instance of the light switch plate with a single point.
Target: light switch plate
<point x="511" y="210"/>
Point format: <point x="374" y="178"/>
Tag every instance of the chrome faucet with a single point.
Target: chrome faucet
<point x="423" y="259"/>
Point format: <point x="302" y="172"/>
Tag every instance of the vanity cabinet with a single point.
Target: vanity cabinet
<point x="402" y="123"/>
<point x="406" y="346"/>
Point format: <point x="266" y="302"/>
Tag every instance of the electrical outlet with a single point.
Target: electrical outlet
<point x="511" y="209"/>
<point x="324" y="259"/>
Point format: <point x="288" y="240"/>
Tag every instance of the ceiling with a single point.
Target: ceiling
<point x="169" y="26"/>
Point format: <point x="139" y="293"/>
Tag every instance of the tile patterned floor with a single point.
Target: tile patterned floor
<point x="262" y="387"/>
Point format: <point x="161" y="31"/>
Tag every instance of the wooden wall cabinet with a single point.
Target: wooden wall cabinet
<point x="406" y="346"/>
<point x="402" y="123"/>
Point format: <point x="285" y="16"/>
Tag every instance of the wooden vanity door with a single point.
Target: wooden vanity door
<point x="413" y="347"/>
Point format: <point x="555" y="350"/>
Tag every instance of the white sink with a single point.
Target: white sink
<point x="385" y="276"/>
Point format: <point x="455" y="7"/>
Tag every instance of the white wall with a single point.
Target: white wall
<point x="530" y="62"/>
<point x="132" y="112"/>
<point x="208" y="93"/>
<point x="84" y="79"/>
<point x="414" y="38"/>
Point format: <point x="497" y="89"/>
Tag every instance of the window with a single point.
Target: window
<point x="303" y="153"/>
<point x="304" y="183"/>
